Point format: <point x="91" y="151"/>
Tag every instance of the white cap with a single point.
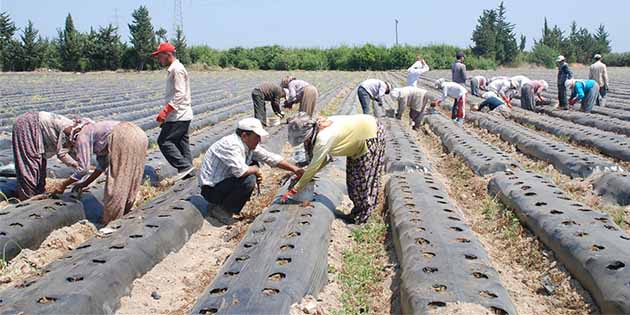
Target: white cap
<point x="560" y="58"/>
<point x="252" y="124"/>
<point x="597" y="56"/>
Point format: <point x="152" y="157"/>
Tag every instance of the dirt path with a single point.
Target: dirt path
<point x="521" y="260"/>
<point x="30" y="263"/>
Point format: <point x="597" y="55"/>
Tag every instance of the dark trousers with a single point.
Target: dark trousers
<point x="260" y="111"/>
<point x="562" y="96"/>
<point x="232" y="193"/>
<point x="364" y="99"/>
<point x="601" y="100"/>
<point x="474" y="87"/>
<point x="174" y="144"/>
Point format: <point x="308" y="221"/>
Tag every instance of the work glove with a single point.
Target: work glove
<point x="285" y="197"/>
<point x="161" y="117"/>
<point x="573" y="101"/>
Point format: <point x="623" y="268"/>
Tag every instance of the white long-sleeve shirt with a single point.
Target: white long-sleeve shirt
<point x="501" y="86"/>
<point x="230" y="157"/>
<point x="415" y="71"/>
<point x="178" y="93"/>
<point x="452" y="89"/>
<point x="376" y="88"/>
<point x="520" y="80"/>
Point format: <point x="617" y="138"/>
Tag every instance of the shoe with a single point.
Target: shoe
<point x="184" y="174"/>
<point x="220" y="214"/>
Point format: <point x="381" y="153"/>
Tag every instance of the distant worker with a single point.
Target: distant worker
<point x="478" y="83"/>
<point x="372" y="90"/>
<point x="121" y="152"/>
<point x="416" y="70"/>
<point x="494" y="104"/>
<point x="531" y="94"/>
<point x="504" y="88"/>
<point x="231" y="169"/>
<point x="175" y="117"/>
<point x="458" y="92"/>
<point x="519" y="81"/>
<point x="361" y="139"/>
<point x="458" y="69"/>
<point x="301" y="92"/>
<point x="417" y="100"/>
<point x="584" y="91"/>
<point x="599" y="72"/>
<point x="267" y="92"/>
<point x="564" y="74"/>
<point x="37" y="137"/>
<point x="498" y="77"/>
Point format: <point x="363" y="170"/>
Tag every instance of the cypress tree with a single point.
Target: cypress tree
<point x="142" y="37"/>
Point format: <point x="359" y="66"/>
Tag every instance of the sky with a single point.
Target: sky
<point x="325" y="23"/>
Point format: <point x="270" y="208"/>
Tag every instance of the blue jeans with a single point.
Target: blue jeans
<point x="364" y="99"/>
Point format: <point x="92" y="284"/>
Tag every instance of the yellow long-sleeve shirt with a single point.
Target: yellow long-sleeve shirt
<point x="344" y="137"/>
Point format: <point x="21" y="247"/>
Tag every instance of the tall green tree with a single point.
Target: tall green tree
<point x="180" y="46"/>
<point x="485" y="35"/>
<point x="507" y="48"/>
<point x="31" y="49"/>
<point x="523" y="43"/>
<point x="110" y="48"/>
<point x="161" y="35"/>
<point x="142" y="37"/>
<point x="7" y="43"/>
<point x="602" y="40"/>
<point x="70" y="46"/>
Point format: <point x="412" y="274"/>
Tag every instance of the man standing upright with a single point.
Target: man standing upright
<point x="416" y="70"/>
<point x="176" y="115"/>
<point x="599" y="73"/>
<point x="564" y="74"/>
<point x="458" y="70"/>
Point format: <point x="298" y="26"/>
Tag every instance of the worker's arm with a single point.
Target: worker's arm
<point x="605" y="77"/>
<point x="319" y="160"/>
<point x="178" y="100"/>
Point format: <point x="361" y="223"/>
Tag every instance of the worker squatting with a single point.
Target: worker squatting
<point x="231" y="167"/>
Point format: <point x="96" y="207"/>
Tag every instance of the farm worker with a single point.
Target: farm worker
<point x="230" y="169"/>
<point x="416" y="70"/>
<point x="499" y="77"/>
<point x="504" y="88"/>
<point x="301" y="92"/>
<point x="478" y="83"/>
<point x="519" y="81"/>
<point x="599" y="73"/>
<point x="177" y="113"/>
<point x="531" y="94"/>
<point x="360" y="138"/>
<point x="458" y="69"/>
<point x="564" y="74"/>
<point x="372" y="90"/>
<point x="494" y="104"/>
<point x="121" y="152"/>
<point x="457" y="92"/>
<point x="417" y="100"/>
<point x="37" y="136"/>
<point x="267" y="92"/>
<point x="585" y="91"/>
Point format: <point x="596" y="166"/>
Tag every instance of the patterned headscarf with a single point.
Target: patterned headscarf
<point x="78" y="125"/>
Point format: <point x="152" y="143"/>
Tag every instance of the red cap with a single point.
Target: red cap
<point x="164" y="47"/>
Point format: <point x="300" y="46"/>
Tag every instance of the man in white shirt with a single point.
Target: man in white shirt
<point x="505" y="88"/>
<point x="458" y="92"/>
<point x="415" y="71"/>
<point x="372" y="89"/>
<point x="175" y="117"/>
<point x="230" y="169"/>
<point x="599" y="72"/>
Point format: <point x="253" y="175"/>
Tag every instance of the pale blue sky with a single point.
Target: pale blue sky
<point x="325" y="23"/>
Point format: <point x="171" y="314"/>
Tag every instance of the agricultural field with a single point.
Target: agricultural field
<point x="526" y="215"/>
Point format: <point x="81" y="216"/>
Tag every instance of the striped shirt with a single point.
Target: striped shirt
<point x="93" y="138"/>
<point x="230" y="157"/>
<point x="296" y="90"/>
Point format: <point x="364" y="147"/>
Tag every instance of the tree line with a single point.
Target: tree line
<point x="494" y="38"/>
<point x="494" y="43"/>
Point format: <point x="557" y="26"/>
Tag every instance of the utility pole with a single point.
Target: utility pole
<point x="396" y="31"/>
<point x="178" y="16"/>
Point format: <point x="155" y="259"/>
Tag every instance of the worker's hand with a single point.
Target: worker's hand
<point x="285" y="197"/>
<point x="573" y="101"/>
<point x="259" y="176"/>
<point x="58" y="188"/>
<point x="161" y="117"/>
<point x="299" y="173"/>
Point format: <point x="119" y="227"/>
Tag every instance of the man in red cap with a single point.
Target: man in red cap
<point x="175" y="117"/>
